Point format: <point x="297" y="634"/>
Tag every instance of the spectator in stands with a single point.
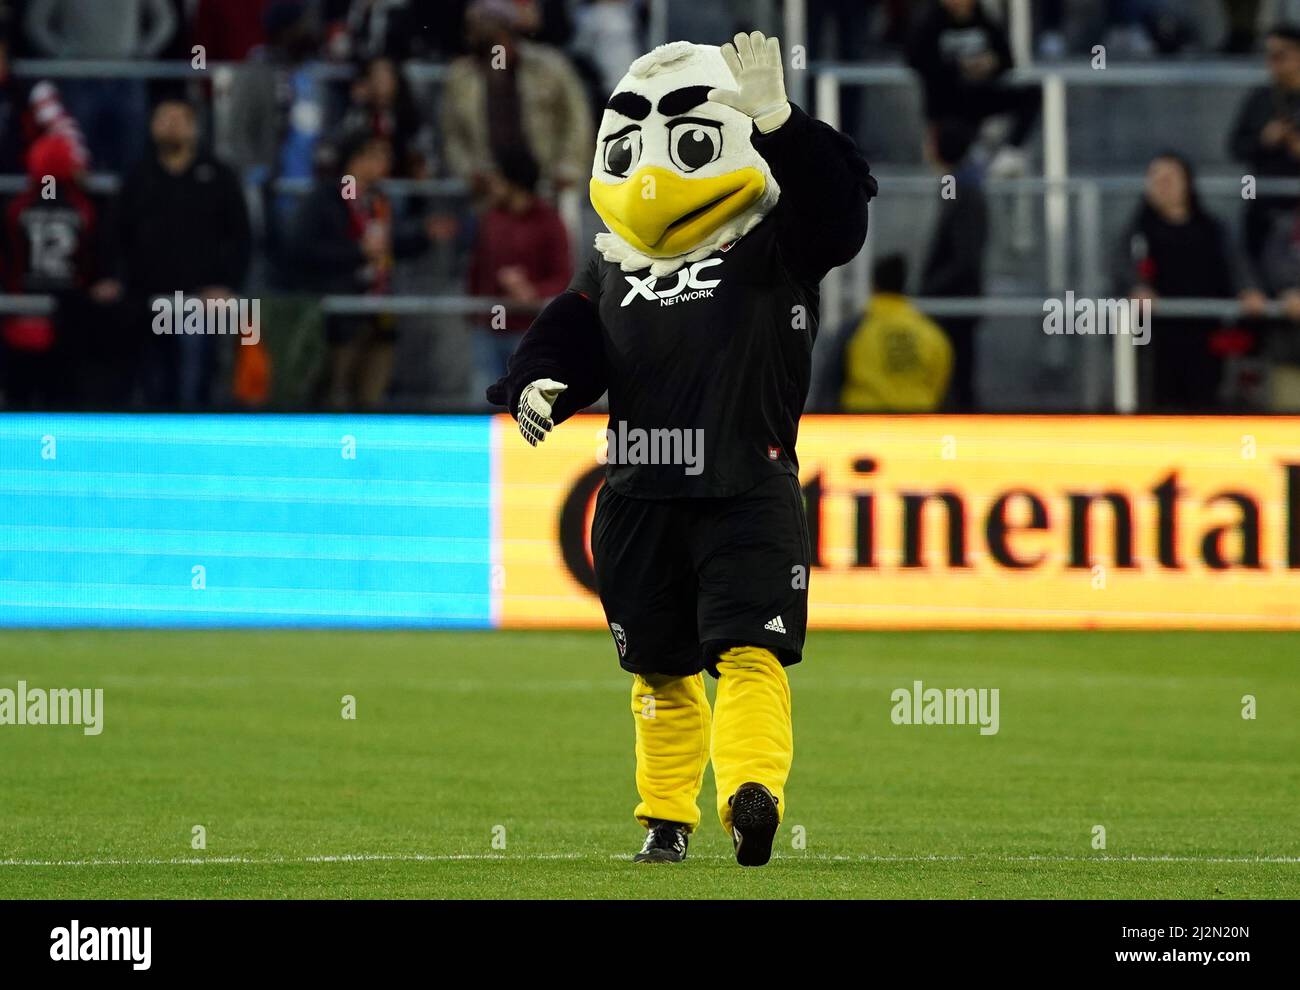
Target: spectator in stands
<point x="50" y="247"/>
<point x="522" y="255"/>
<point x="229" y="29"/>
<point x="383" y="104"/>
<point x="511" y="96"/>
<point x="954" y="264"/>
<point x="112" y="112"/>
<point x="277" y="115"/>
<point x="346" y="243"/>
<point x="181" y="226"/>
<point x="1174" y="248"/>
<point x="961" y="55"/>
<point x="271" y="89"/>
<point x="897" y="360"/>
<point x="1266" y="137"/>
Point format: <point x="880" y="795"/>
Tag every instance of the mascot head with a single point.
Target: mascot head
<point x="676" y="175"/>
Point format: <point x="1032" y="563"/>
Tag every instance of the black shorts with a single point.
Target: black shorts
<point x="682" y="580"/>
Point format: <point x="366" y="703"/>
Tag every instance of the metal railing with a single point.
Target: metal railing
<point x="1124" y="390"/>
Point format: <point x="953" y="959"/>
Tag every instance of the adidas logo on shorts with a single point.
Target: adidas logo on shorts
<point x="776" y="625"/>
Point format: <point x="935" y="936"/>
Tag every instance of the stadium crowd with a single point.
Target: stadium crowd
<point x="275" y="181"/>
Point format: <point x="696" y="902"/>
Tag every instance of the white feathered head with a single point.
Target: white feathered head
<point x="676" y="176"/>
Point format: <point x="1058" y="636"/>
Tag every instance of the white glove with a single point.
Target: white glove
<point x="755" y="62"/>
<point x="535" y="404"/>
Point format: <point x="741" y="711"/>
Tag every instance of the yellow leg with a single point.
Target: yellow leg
<point x="753" y="738"/>
<point x="672" y="746"/>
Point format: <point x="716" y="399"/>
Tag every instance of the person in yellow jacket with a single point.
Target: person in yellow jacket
<point x="898" y="359"/>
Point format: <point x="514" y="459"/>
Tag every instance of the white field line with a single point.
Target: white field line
<point x="537" y="857"/>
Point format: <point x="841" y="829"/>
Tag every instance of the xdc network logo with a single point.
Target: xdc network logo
<point x="688" y="286"/>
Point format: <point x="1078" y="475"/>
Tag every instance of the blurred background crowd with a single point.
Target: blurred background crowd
<point x="379" y="174"/>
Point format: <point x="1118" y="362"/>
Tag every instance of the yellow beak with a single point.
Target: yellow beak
<point x="662" y="214"/>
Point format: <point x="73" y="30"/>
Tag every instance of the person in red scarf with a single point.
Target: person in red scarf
<point x="347" y="241"/>
<point x="48" y="249"/>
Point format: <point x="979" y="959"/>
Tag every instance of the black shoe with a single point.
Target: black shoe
<point x="665" y="843"/>
<point x="754" y="821"/>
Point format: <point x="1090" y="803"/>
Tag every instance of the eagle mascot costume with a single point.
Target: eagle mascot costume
<point x="697" y="311"/>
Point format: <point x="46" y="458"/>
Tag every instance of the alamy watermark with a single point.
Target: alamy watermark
<point x="635" y="445"/>
<point x="102" y="944"/>
<point x="1088" y="317"/>
<point x="53" y="706"/>
<point x="208" y="316"/>
<point x="920" y="705"/>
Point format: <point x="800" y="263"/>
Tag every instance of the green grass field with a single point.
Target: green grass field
<point x="459" y="733"/>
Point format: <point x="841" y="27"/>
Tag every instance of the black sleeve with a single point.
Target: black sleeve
<point x="826" y="184"/>
<point x="564" y="343"/>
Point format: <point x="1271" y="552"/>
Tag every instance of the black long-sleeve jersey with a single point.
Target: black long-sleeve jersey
<point x="719" y="351"/>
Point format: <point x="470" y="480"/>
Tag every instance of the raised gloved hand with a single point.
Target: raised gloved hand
<point x="755" y="62"/>
<point x="535" y="404"/>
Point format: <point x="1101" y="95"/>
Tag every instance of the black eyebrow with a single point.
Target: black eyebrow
<point x="631" y="105"/>
<point x="619" y="133"/>
<point x="705" y="121"/>
<point x="681" y="100"/>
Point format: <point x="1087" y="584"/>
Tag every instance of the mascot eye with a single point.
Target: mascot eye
<point x="694" y="143"/>
<point x="622" y="151"/>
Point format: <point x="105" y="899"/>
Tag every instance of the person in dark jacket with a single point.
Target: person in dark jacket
<point x="1266" y="136"/>
<point x="962" y="56"/>
<point x="1172" y="248"/>
<point x="954" y="263"/>
<point x="181" y="224"/>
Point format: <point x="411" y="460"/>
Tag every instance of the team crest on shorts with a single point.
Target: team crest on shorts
<point x="620" y="638"/>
